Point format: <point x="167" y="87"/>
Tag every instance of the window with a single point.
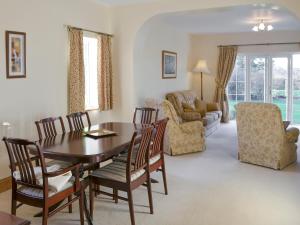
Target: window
<point x="236" y="88"/>
<point x="273" y="78"/>
<point x="90" y="52"/>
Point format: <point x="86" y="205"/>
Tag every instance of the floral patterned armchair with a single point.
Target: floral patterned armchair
<point x="182" y="138"/>
<point x="262" y="138"/>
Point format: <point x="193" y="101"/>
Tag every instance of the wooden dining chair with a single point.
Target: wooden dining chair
<point x="48" y="128"/>
<point x="157" y="160"/>
<point x="126" y="176"/>
<point x="30" y="184"/>
<point x="76" y="120"/>
<point x="145" y="115"/>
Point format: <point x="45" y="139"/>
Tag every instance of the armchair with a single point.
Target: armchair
<point x="262" y="138"/>
<point x="184" y="137"/>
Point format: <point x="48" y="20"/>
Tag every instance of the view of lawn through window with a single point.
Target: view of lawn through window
<point x="267" y="79"/>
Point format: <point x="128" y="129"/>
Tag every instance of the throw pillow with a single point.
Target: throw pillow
<point x="200" y="107"/>
<point x="187" y="107"/>
<point x="213" y="107"/>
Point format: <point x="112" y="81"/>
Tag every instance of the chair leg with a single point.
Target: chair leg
<point x="81" y="208"/>
<point x="164" y="178"/>
<point x="115" y="193"/>
<point x="45" y="215"/>
<point x="92" y="196"/>
<point x="130" y="203"/>
<point x="150" y="193"/>
<point x="70" y="206"/>
<point x="13" y="206"/>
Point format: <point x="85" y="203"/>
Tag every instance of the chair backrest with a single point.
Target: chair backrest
<point x="169" y="112"/>
<point x="47" y="126"/>
<point x="75" y="120"/>
<point x="140" y="142"/>
<point x="158" y="140"/>
<point x="145" y="115"/>
<point x="259" y="128"/>
<point x="21" y="161"/>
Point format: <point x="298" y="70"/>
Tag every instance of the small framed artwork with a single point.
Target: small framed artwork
<point x="15" y="54"/>
<point x="169" y="65"/>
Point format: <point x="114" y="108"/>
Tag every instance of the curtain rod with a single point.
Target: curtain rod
<point x="242" y="45"/>
<point x="92" y="31"/>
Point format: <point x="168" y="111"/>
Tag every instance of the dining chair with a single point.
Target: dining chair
<point x="126" y="176"/>
<point x="40" y="186"/>
<point x="48" y="128"/>
<point x="76" y="122"/>
<point x="145" y="115"/>
<point x="156" y="159"/>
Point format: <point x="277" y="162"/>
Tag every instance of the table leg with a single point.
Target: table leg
<point x="86" y="211"/>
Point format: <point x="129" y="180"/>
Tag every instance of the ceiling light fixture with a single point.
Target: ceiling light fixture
<point x="261" y="26"/>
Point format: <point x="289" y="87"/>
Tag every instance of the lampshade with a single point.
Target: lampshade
<point x="201" y="67"/>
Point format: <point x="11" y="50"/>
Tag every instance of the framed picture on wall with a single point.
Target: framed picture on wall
<point x="169" y="65"/>
<point x="15" y="54"/>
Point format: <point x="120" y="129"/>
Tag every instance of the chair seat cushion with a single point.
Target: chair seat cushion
<point x="55" y="184"/>
<point x="154" y="159"/>
<point x="116" y="171"/>
<point x="38" y="193"/>
<point x="123" y="158"/>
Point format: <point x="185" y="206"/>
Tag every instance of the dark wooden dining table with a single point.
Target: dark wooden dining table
<point x="76" y="147"/>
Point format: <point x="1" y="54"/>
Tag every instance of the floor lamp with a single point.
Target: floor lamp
<point x="201" y="67"/>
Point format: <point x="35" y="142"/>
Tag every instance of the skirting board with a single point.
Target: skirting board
<point x="5" y="184"/>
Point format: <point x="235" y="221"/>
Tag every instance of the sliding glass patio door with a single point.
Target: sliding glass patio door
<point x="273" y="78"/>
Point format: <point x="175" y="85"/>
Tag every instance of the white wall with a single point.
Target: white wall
<point x="205" y="47"/>
<point x="44" y="92"/>
<point x="154" y="37"/>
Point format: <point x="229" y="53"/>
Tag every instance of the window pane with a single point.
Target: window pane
<point x="257" y="79"/>
<point x="240" y="88"/>
<point x="241" y="68"/>
<point x="296" y="89"/>
<point x="280" y="84"/>
<point x="240" y="98"/>
<point x="232" y="88"/>
<point x="90" y="69"/>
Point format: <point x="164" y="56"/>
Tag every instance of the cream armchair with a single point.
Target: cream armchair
<point x="262" y="138"/>
<point x="182" y="138"/>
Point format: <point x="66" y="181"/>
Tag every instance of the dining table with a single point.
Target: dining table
<point x="78" y="147"/>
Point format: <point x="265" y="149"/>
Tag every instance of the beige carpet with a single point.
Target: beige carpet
<point x="209" y="188"/>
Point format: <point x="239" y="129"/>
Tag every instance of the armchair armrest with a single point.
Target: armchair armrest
<point x="192" y="127"/>
<point x="292" y="134"/>
<point x="213" y="106"/>
<point x="191" y="116"/>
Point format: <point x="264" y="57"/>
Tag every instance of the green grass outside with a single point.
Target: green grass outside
<point x="281" y="103"/>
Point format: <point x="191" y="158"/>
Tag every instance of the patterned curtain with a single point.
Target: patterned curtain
<point x="76" y="86"/>
<point x="227" y="57"/>
<point x="105" y="97"/>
